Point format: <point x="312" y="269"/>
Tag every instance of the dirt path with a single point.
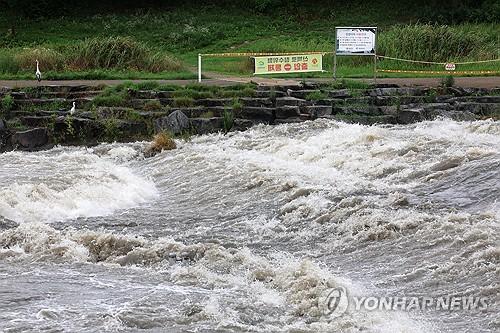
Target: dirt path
<point x="222" y="80"/>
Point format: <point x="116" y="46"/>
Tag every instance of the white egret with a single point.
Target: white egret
<point x="73" y="109"/>
<point x="38" y="74"/>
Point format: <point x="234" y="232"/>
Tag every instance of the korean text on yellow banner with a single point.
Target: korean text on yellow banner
<point x="289" y="64"/>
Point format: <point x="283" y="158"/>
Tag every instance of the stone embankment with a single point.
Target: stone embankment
<point x="39" y="117"/>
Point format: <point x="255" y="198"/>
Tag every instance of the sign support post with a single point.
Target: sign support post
<point x="335" y="66"/>
<point x="199" y="67"/>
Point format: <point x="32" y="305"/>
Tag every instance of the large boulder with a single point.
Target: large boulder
<point x="207" y="125"/>
<point x="290" y="101"/>
<point x="106" y="112"/>
<point x="302" y="93"/>
<point x="256" y="102"/>
<point x="32" y="138"/>
<point x="341" y="93"/>
<point x="132" y="128"/>
<point x="284" y="112"/>
<point x="257" y="114"/>
<point x="4" y="133"/>
<point x="318" y="111"/>
<point x="242" y="124"/>
<point x="410" y="116"/>
<point x="175" y="123"/>
<point x="209" y="102"/>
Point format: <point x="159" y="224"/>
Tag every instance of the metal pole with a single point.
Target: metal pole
<point x="335" y="65"/>
<point x="199" y="67"/>
<point x="375" y="59"/>
<point x="335" y="56"/>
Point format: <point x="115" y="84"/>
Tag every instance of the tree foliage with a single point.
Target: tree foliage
<point x="451" y="11"/>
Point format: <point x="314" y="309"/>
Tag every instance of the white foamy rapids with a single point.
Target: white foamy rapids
<point x="276" y="292"/>
<point x="339" y="160"/>
<point x="369" y="180"/>
<point x="56" y="186"/>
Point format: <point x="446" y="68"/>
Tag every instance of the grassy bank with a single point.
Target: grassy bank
<point x="164" y="44"/>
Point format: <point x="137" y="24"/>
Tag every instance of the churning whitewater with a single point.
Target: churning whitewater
<point x="248" y="232"/>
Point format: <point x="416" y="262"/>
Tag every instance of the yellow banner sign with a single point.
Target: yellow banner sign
<point x="298" y="63"/>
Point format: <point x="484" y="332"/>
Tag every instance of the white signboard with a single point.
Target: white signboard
<point x="355" y="40"/>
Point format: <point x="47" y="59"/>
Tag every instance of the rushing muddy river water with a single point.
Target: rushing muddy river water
<point x="248" y="232"/>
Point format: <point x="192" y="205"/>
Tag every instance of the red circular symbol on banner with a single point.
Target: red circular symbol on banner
<point x="314" y="61"/>
<point x="288" y="67"/>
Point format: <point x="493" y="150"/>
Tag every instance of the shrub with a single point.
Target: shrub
<point x="237" y="105"/>
<point x="111" y="129"/>
<point x="160" y="62"/>
<point x="70" y="130"/>
<point x="228" y="120"/>
<point x="119" y="53"/>
<point x="162" y="141"/>
<point x="432" y="42"/>
<point x="48" y="58"/>
<point x="431" y="96"/>
<point x="7" y="103"/>
<point x="8" y="64"/>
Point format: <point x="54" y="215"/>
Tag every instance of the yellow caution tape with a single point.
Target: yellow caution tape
<point x="436" y="72"/>
<point x="257" y="54"/>
<point x="438" y="63"/>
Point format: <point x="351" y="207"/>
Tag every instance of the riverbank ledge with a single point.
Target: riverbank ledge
<point x="39" y="117"/>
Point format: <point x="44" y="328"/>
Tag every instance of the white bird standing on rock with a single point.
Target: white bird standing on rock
<point x="73" y="109"/>
<point x="38" y="74"/>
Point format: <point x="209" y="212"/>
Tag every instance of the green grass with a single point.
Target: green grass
<point x="7" y="103"/>
<point x="164" y="44"/>
<point x="228" y="120"/>
<point x="153" y="105"/>
<point x="193" y="94"/>
<point x="180" y="102"/>
<point x="207" y="115"/>
<point x="183" y="96"/>
<point x="236" y="105"/>
<point x="316" y="96"/>
<point x="113" y="100"/>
